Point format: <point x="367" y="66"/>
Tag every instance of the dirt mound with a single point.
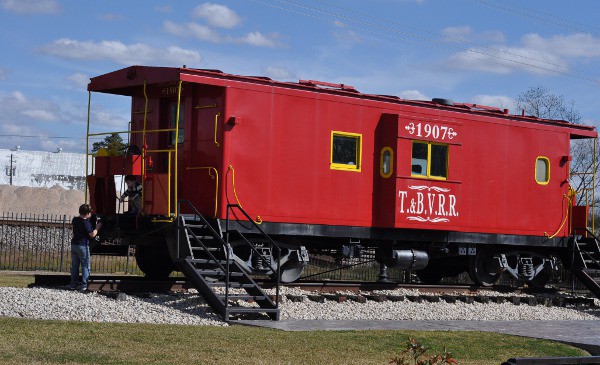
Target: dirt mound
<point x="26" y="200"/>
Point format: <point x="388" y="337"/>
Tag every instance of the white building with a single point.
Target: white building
<point x="42" y="169"/>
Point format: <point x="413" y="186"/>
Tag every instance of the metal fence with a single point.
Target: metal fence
<point x="37" y="242"/>
<point x="30" y="242"/>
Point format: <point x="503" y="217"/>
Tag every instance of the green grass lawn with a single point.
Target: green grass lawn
<point x="15" y="279"/>
<point x="61" y="342"/>
<point x="57" y="342"/>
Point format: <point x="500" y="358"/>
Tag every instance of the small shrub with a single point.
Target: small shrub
<point x="414" y="353"/>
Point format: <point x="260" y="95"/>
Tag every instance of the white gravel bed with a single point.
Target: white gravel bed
<point x="43" y="303"/>
<point x="190" y="309"/>
<point x="407" y="310"/>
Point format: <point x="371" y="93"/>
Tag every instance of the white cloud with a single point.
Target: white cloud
<point x="457" y="32"/>
<point x="413" y="95"/>
<point x="2" y="74"/>
<point x="344" y="34"/>
<point x="574" y="45"/>
<point x="206" y="33"/>
<point x="261" y="40"/>
<point x="498" y="101"/>
<point x="194" y="30"/>
<point x="466" y="34"/>
<point x="279" y="73"/>
<point x="31" y="6"/>
<point x="534" y="54"/>
<point x="504" y="60"/>
<point x="39" y="119"/>
<point x="40" y="115"/>
<point x="138" y="53"/>
<point x="217" y="15"/>
<point x="79" y="80"/>
<point x="18" y="109"/>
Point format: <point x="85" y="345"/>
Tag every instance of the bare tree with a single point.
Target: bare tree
<point x="539" y="102"/>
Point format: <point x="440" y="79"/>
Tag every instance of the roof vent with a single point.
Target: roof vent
<point x="447" y="102"/>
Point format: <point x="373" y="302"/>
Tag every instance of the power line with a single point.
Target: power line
<point x="432" y="43"/>
<point x="538" y="15"/>
<point x="39" y="136"/>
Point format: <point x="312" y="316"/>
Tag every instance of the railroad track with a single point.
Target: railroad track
<point x="132" y="284"/>
<point x="128" y="283"/>
<point x="339" y="291"/>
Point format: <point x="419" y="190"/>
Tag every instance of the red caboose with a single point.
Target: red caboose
<point x="438" y="187"/>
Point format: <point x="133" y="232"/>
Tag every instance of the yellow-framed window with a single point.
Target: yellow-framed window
<point x="386" y="162"/>
<point x="542" y="170"/>
<point x="346" y="151"/>
<point x="429" y="160"/>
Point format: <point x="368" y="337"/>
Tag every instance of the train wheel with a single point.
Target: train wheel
<point x="541" y="279"/>
<point x="290" y="274"/>
<point x="430" y="275"/>
<point x="479" y="268"/>
<point x="154" y="261"/>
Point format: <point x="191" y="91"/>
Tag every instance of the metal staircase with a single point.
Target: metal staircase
<point x="585" y="261"/>
<point x="206" y="260"/>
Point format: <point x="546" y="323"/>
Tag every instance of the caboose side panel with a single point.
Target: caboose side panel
<point x="281" y="151"/>
<point x="501" y="193"/>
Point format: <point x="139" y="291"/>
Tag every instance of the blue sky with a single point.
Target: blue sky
<point x="480" y="51"/>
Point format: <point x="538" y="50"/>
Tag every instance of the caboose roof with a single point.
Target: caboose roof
<point x="129" y="81"/>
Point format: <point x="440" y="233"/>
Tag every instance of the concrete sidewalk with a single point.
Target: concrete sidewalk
<point x="582" y="334"/>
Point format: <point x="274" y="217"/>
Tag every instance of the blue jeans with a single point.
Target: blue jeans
<point x="80" y="256"/>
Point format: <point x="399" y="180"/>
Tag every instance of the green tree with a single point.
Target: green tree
<point x="113" y="143"/>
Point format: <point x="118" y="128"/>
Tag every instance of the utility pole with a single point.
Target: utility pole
<point x="11" y="171"/>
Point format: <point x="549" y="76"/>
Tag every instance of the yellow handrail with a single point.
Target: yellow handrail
<point x="569" y="197"/>
<point x="216" y="183"/>
<point x="258" y="219"/>
<point x="216" y="126"/>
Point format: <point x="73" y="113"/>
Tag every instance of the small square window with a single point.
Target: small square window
<point x="429" y="160"/>
<point x="346" y="151"/>
<point x="439" y="161"/>
<point x="420" y="152"/>
<point x="542" y="170"/>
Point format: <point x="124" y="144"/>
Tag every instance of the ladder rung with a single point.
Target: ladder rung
<point x="203" y="237"/>
<point x="200" y="248"/>
<point x="252" y="310"/>
<point x="208" y="261"/>
<point x="243" y="297"/>
<point x="232" y="285"/>
<point x="195" y="225"/>
<point x="219" y="272"/>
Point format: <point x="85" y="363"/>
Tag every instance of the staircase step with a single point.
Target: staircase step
<point x="221" y="284"/>
<point x="212" y="249"/>
<point x="192" y="225"/>
<point x="209" y="261"/>
<point x="219" y="272"/>
<point x="204" y="238"/>
<point x="243" y="297"/>
<point x="252" y="310"/>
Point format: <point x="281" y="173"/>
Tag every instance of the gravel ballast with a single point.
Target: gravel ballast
<point x="191" y="309"/>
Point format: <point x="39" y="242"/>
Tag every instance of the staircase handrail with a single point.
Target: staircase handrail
<point x="225" y="269"/>
<point x="230" y="208"/>
<point x="208" y="225"/>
